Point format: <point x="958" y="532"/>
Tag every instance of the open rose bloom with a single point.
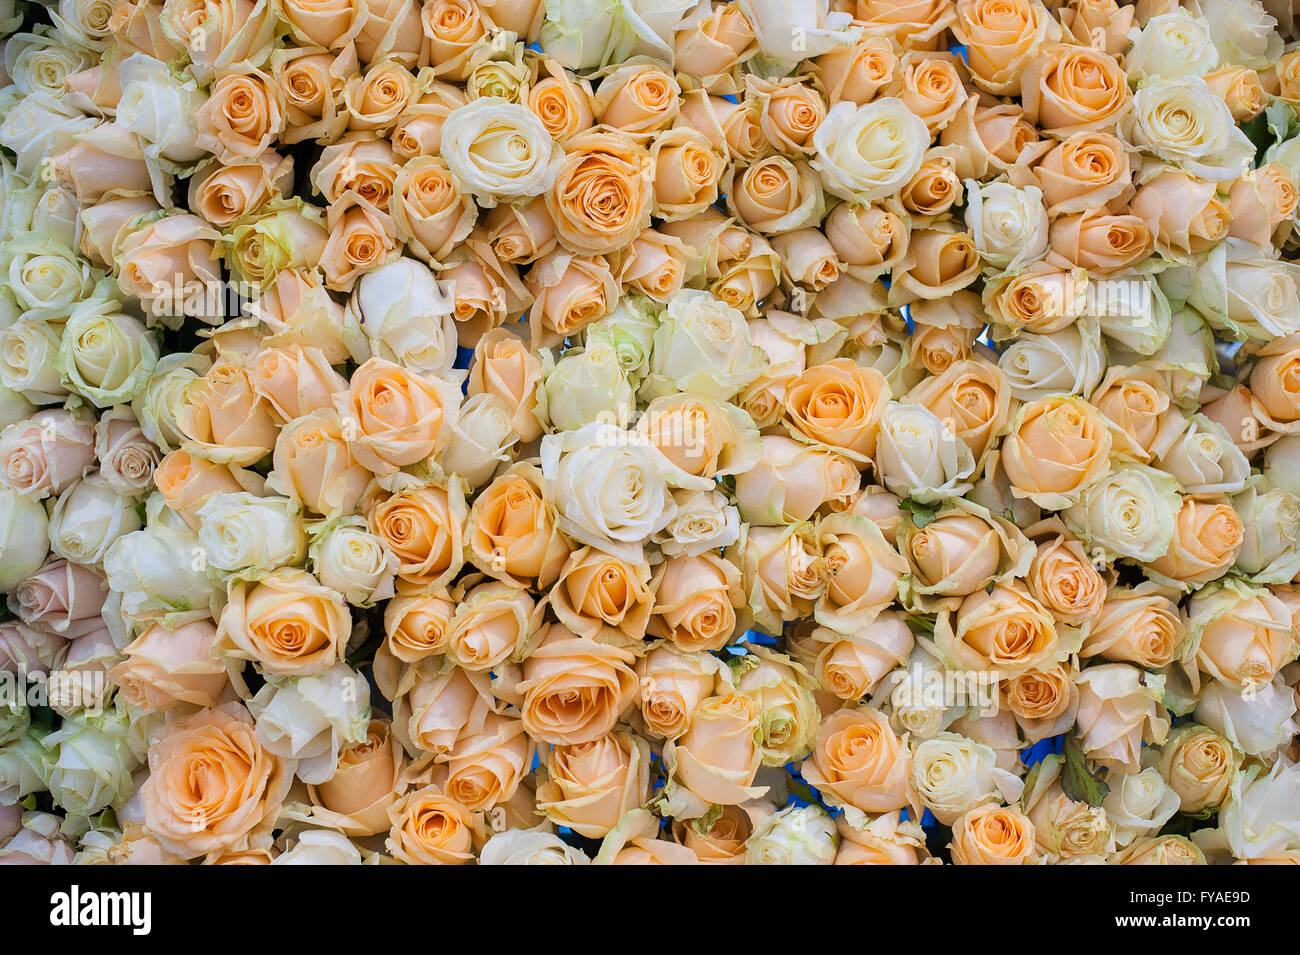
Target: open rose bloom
<point x="650" y="431"/>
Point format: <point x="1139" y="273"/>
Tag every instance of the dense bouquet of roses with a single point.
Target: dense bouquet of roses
<point x="649" y="431"/>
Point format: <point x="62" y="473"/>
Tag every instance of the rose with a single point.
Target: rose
<point x="938" y="262"/>
<point x="934" y="189"/>
<point x="993" y="835"/>
<point x="295" y="309"/>
<point x="327" y="23"/>
<point x="1067" y="89"/>
<point x="708" y="43"/>
<point x="1131" y="512"/>
<point x="1207" y="539"/>
<point x="1272" y="385"/>
<point x="973" y="395"/>
<point x="376" y="97"/>
<point x="498" y="150"/>
<point x="356" y="798"/>
<point x="1009" y="225"/>
<point x="352" y="561"/>
<point x="505" y="368"/>
<point x="511" y="531"/>
<point x="776" y="27"/>
<point x="851" y="665"/>
<point x="88" y="517"/>
<point x="573" y="689"/>
<point x="28" y="348"/>
<point x="1136" y="625"/>
<point x="287" y="622"/>
<point x="126" y="457"/>
<point x="1204" y="459"/>
<point x="1142" y="803"/>
<point x="1261" y="202"/>
<point x="856" y="72"/>
<point x="224" y="418"/>
<point x="1056" y="448"/>
<point x="569" y="292"/>
<point x="1000" y="40"/>
<point x="485" y="767"/>
<point x="45" y="277"/>
<point x="310" y="719"/>
<point x="1119" y="710"/>
<point x="1172" y="45"/>
<point x="93" y="759"/>
<point x="424" y="528"/>
<point x="792" y="480"/>
<point x="453" y="28"/>
<point x="311" y="86"/>
<point x="869" y="239"/>
<point x="168" y="263"/>
<point x="611" y="165"/>
<point x="796" y="835"/>
<point x="1256" y="820"/>
<point x="885" y="840"/>
<point x="416" y="626"/>
<point x="774" y="195"/>
<point x="562" y="102"/>
<point x="918" y="456"/>
<point x="1065" y="828"/>
<point x="857" y="760"/>
<point x="1136" y="399"/>
<point x="589" y="787"/>
<point x="161" y="108"/>
<point x="1085" y="170"/>
<point x="1241" y="89"/>
<point x="718" y="756"/>
<point x="1064" y="580"/>
<point x="603" y="598"/>
<point x="673" y="682"/>
<point x="862" y="569"/>
<point x="430" y="828"/>
<point x="1199" y="766"/>
<point x="704" y="521"/>
<point x="430" y="213"/>
<point x="481" y="441"/>
<point x="247" y="533"/>
<point x="1184" y="123"/>
<point x="493" y="622"/>
<point x="782" y="691"/>
<point x="1044" y="702"/>
<point x="62" y="597"/>
<point x="953" y="774"/>
<point x="721" y="844"/>
<point x="962" y="549"/>
<point x="519" y="847"/>
<point x="695" y="602"/>
<point x="868" y="152"/>
<point x="1184" y="214"/>
<point x="1270" y="523"/>
<point x="637" y="98"/>
<point x="1257" y="725"/>
<point x="157" y="573"/>
<point x="211" y="784"/>
<point x="360" y="238"/>
<point x="930" y="85"/>
<point x="701" y="436"/>
<point x="1259" y="303"/>
<point x="1239" y="634"/>
<point x="43" y="454"/>
<point x="1002" y="629"/>
<point x="587" y="386"/>
<point x="439" y="707"/>
<point x="400" y="417"/>
<point x="313" y="464"/>
<point x="838" y="403"/>
<point x="164" y="668"/>
<point x="296" y="381"/>
<point x="1247" y="36"/>
<point x="687" y="172"/>
<point x="241" y="117"/>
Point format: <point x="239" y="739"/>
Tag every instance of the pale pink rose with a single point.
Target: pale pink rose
<point x="41" y="455"/>
<point x="62" y="596"/>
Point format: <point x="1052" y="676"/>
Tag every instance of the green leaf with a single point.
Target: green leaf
<point x="30" y="801"/>
<point x="922" y="514"/>
<point x="1079" y="782"/>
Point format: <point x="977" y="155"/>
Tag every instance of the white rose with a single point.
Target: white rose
<point x="1183" y="122"/>
<point x="611" y="488"/>
<point x="239" y="531"/>
<point x="86" y="22"/>
<point x="797" y="835"/>
<point x="160" y="107"/>
<point x="954" y="774"/>
<point x="1260" y="295"/>
<point x="92" y="764"/>
<point x="312" y="718"/>
<point x="39" y="126"/>
<point x="40" y="61"/>
<point x="1132" y="312"/>
<point x="918" y="704"/>
<point x="24" y="769"/>
<point x="28" y="349"/>
<point x="161" y="572"/>
<point x="58" y="215"/>
<point x="791" y="30"/>
<point x="348" y="558"/>
<point x="1256" y="723"/>
<point x="703" y="522"/>
<point x="320" y="847"/>
<point x="24" y="538"/>
<point x="629" y="329"/>
<point x="406" y="314"/>
<point x="1282" y="464"/>
<point x="1138" y="803"/>
<point x="869" y="152"/>
<point x="46" y="277"/>
<point x="88" y="517"/>
<point x="918" y="456"/>
<point x="1244" y="32"/>
<point x="529" y="847"/>
<point x="481" y="439"/>
<point x="1128" y="513"/>
<point x="1270" y="520"/>
<point x="1069" y="361"/>
<point x="588" y="385"/>
<point x="1261" y="815"/>
<point x="499" y="150"/>
<point x="1171" y="45"/>
<point x="1009" y="224"/>
<point x="702" y="345"/>
<point x="159" y="403"/>
<point x="582" y="34"/>
<point x="105" y="355"/>
<point x="1205" y="460"/>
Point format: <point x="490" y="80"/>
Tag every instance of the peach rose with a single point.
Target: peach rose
<point x="934" y="189"/>
<point x="734" y="128"/>
<point x="186" y="481"/>
<point x="287" y="622"/>
<point x="356" y="798"/>
<point x="913" y="24"/>
<point x="169" y="263"/>
<point x="699" y="435"/>
<point x="313" y="464"/>
<point x="1184" y="214"/>
<point x="851" y="665"/>
<point x="973" y="395"/>
<point x="1262" y="204"/>
<point x="1084" y="171"/>
<point x="774" y="195"/>
<point x="563" y="102"/>
<point x="310" y="84"/>
<point x="602" y="194"/>
<point x="1042" y="299"/>
<point x="603" y="598"/>
<point x="654" y="264"/>
<point x="991" y="139"/>
<point x="1137" y="400"/>
<point x="1044" y="702"/>
<point x="724" y="842"/>
<point x="1067" y="89"/>
<point x="1136" y="625"/>
<point x="713" y="44"/>
<point x="862" y="572"/>
<point x="296" y="381"/>
<point x="1240" y="635"/>
<point x="1118" y="712"/>
<point x="687" y="171"/>
<point x="673" y="683"/>
<point x="493" y="623"/>
<point x="992" y="835"/>
<point x="241" y="117"/>
<point x="1199" y="766"/>
<point x="717" y="758"/>
<point x="869" y="239"/>
<point x="424" y="528"/>
<point x="327" y="23"/>
<point x="960" y="551"/>
<point x="1241" y="89"/>
<point x="839" y="404"/>
<point x="1003" y="629"/>
<point x="223" y="193"/>
<point x="452" y="28"/>
<point x="361" y="238"/>
<point x="1207" y="539"/>
<point x="436" y="703"/>
<point x="791" y="112"/>
<point x="429" y="212"/>
<point x="930" y="86"/>
<point x="365" y="166"/>
<point x="782" y="571"/>
<point x="164" y="668"/>
<point x="504" y="366"/>
<point x="393" y="417"/>
<point x="1056" y="447"/>
<point x="856" y="73"/>
<point x="1000" y="39"/>
<point x="589" y="787"/>
<point x="418" y="131"/>
<point x="574" y="690"/>
<point x="637" y="98"/>
<point x="224" y="418"/>
<point x="62" y="597"/>
<point x="1064" y="580"/>
<point x="374" y="99"/>
<point x="484" y="769"/>
<point x="1275" y="382"/>
<point x="858" y="760"/>
<point x="937" y="264"/>
<point x="885" y="840"/>
<point x="520" y="233"/>
<point x="695" y="602"/>
<point x="416" y="626"/>
<point x="428" y="827"/>
<point x="512" y="533"/>
<point x="211" y="785"/>
<point x="569" y="292"/>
